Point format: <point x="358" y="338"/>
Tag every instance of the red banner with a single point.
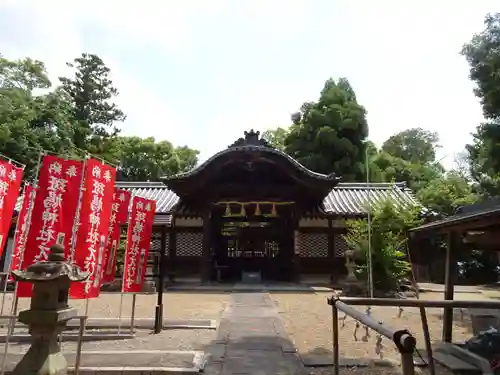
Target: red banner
<point x="95" y="214"/>
<point x="52" y="221"/>
<point x="119" y="216"/>
<point x="21" y="229"/>
<point x="138" y="244"/>
<point x="10" y="183"/>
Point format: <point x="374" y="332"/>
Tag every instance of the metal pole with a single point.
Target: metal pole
<point x="26" y="232"/>
<point x="132" y="315"/>
<point x="161" y="285"/>
<point x="4" y="292"/>
<point x="335" y="330"/>
<point x="370" y="257"/>
<point x="76" y="220"/>
<point x="12" y="320"/>
<point x="427" y="340"/>
<point x="120" y="313"/>
<point x="83" y="323"/>
<point x="11" y="258"/>
<point x="86" y="314"/>
<point x="15" y="304"/>
<point x="356" y="301"/>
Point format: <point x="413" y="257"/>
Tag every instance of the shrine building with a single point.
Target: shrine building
<point x="252" y="212"/>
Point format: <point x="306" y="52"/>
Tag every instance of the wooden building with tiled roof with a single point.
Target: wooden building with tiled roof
<point x="252" y="209"/>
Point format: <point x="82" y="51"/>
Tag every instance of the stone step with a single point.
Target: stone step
<point x="131" y="361"/>
<point x="25" y="337"/>
<point x="141" y="323"/>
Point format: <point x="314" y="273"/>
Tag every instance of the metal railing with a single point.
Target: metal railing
<point x="343" y="304"/>
<point x="403" y="339"/>
<point x="79" y="344"/>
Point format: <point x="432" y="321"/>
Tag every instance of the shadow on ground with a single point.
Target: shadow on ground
<point x="271" y="355"/>
<point x="461" y="319"/>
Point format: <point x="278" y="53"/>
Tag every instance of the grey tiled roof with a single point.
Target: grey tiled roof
<point x="347" y="199"/>
<point x="165" y="199"/>
<point x="354" y="198"/>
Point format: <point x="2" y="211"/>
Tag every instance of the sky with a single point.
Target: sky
<point x="200" y="73"/>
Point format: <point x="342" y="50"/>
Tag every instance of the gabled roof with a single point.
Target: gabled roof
<point x="250" y="152"/>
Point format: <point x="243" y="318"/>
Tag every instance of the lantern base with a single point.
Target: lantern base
<point x="44" y="357"/>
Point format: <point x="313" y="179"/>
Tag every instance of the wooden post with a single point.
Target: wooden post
<point x="331" y="250"/>
<point x="161" y="281"/>
<point x="206" y="258"/>
<point x="453" y="246"/>
<point x="172" y="248"/>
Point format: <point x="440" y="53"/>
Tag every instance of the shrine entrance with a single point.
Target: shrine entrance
<point x="249" y="198"/>
<point x="253" y="248"/>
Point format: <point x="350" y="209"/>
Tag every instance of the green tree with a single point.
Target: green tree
<point x="143" y="159"/>
<point x="276" y="137"/>
<point x="392" y="168"/>
<point x="328" y="135"/>
<point x="414" y="145"/>
<point x="483" y="55"/>
<point x="91" y="92"/>
<point x="388" y="242"/>
<point x="28" y="122"/>
<point x="447" y="193"/>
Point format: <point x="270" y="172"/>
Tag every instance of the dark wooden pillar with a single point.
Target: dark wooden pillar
<point x="206" y="256"/>
<point x="452" y="248"/>
<point x="331" y="250"/>
<point x="172" y="248"/>
<point x="161" y="280"/>
<point x="295" y="248"/>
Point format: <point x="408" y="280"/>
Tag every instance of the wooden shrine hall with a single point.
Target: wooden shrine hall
<point x="253" y="213"/>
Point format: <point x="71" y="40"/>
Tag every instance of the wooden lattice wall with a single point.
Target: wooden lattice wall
<point x="313" y="245"/>
<point x="340" y="245"/>
<point x="189" y="244"/>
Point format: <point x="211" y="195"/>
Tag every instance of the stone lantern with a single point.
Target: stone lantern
<point x="49" y="312"/>
<point x="351" y="286"/>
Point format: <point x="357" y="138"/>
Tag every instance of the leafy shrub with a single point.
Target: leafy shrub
<point x="390" y="224"/>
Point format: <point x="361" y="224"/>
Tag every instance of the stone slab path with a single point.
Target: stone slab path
<point x="251" y="340"/>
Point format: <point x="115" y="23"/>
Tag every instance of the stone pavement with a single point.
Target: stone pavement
<point x="251" y="339"/>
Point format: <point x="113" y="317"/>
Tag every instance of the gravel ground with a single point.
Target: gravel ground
<point x="374" y="370"/>
<point x="308" y="321"/>
<point x="175" y="305"/>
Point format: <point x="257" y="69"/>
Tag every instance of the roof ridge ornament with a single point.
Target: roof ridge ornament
<point x="252" y="138"/>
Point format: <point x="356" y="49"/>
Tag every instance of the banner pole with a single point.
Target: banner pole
<point x="11" y="258"/>
<point x="86" y="314"/>
<point x="15" y="300"/>
<point x="12" y="320"/>
<point x="132" y="315"/>
<point x="76" y="221"/>
<point x="5" y="277"/>
<point x="120" y="312"/>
